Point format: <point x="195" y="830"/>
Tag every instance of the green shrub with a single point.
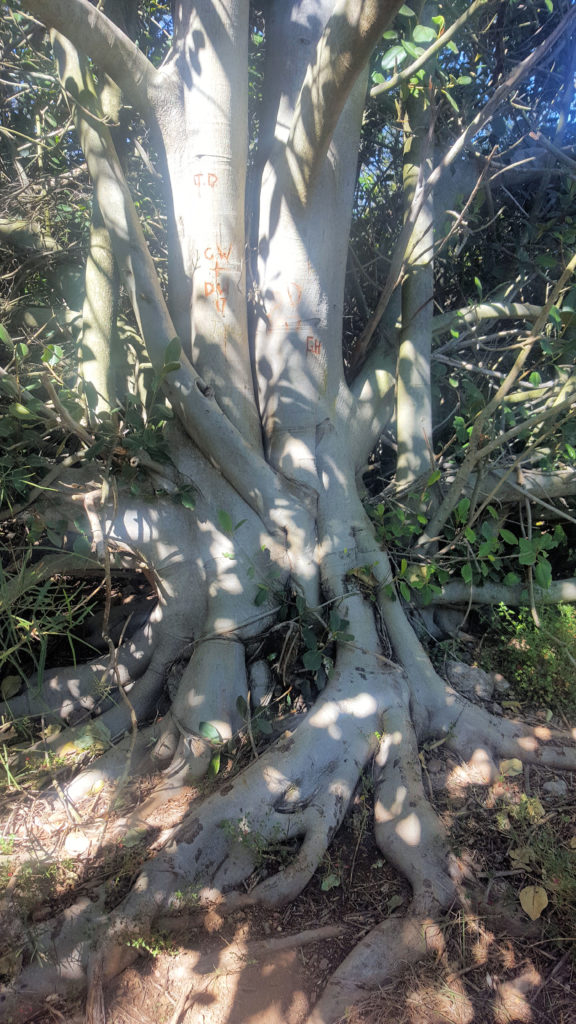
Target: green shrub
<point x="540" y="663"/>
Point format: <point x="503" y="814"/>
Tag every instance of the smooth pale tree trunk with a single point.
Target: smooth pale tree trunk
<point x="268" y="438"/>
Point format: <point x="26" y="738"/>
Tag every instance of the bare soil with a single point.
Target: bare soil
<point x="267" y="967"/>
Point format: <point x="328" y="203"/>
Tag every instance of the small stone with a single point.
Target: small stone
<point x="470" y="680"/>
<point x="435" y="764"/>
<point x="497" y="708"/>
<point x="555" y="787"/>
<point x="501" y="684"/>
<point x="76" y="843"/>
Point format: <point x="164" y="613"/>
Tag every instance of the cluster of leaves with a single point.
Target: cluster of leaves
<point x="490" y="551"/>
<point x="410" y="40"/>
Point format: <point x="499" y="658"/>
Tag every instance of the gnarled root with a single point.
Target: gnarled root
<point x="384" y="952"/>
<point x="299" y="789"/>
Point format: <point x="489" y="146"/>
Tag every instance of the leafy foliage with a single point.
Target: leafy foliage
<point x="539" y="662"/>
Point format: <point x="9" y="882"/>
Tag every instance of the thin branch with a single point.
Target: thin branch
<point x="472" y="315"/>
<point x="344" y="49"/>
<point x="98" y="37"/>
<point x="422" y="60"/>
<point x="558" y="153"/>
<point x="475" y="450"/>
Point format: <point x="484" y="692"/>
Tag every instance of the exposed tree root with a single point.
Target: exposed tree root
<point x="298" y="790"/>
<point x="407" y="829"/>
<point x="384" y="952"/>
<point x="296" y="794"/>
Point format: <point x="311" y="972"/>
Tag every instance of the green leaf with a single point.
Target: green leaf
<point x="535" y="379"/>
<point x="331" y="881"/>
<point x="433" y="478"/>
<point x="478" y="284"/>
<point x="395" y="55"/>
<point x="10" y="686"/>
<point x="470" y="534"/>
<point x="527" y="554"/>
<point x="261" y="595"/>
<point x="406" y="11"/>
<point x="214" y="766"/>
<point x="411" y="50"/>
<point x="309" y="639"/>
<point x="242" y="707"/>
<point x="460" y="429"/>
<point x="511" y="579"/>
<point x="393" y="903"/>
<point x="22" y="412"/>
<point x="451" y="100"/>
<point x="466" y="573"/>
<point x="52" y="354"/>
<point x="82" y="546"/>
<point x="209" y="732"/>
<point x="405" y="590"/>
<point x="451" y="45"/>
<point x="462" y="509"/>
<point x="508" y="536"/>
<point x="463" y="80"/>
<point x="173" y="352"/>
<point x="312" y="660"/>
<point x="225" y="521"/>
<point x="336" y="623"/>
<point x="543" y="573"/>
<point x="4" y="336"/>
<point x="555" y="316"/>
<point x="486" y="548"/>
<point x="187" y="499"/>
<point x="423" y="34"/>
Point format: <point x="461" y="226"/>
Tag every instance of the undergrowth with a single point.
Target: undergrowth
<point x="539" y="662"/>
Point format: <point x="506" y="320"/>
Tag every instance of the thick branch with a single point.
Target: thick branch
<point x="94" y="34"/>
<point x="344" y="48"/>
<point x="192" y="400"/>
<point x="459" y="592"/>
<point x="472" y="315"/>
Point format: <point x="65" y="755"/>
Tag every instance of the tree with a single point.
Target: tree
<point x="236" y="484"/>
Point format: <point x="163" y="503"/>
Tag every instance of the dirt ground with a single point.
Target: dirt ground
<point x="267" y="967"/>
